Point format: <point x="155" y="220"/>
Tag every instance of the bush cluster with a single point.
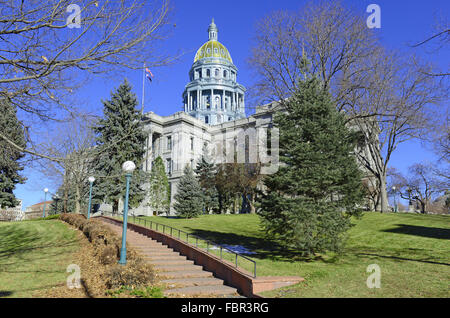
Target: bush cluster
<point x="107" y="245"/>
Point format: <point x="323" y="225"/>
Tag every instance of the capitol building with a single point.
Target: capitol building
<point x="213" y="114"/>
<point x="213" y="123"/>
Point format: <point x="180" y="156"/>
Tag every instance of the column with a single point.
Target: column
<point x="198" y="98"/>
<point x="212" y="98"/>
<point x="199" y="102"/>
<point x="243" y="103"/>
<point x="223" y="99"/>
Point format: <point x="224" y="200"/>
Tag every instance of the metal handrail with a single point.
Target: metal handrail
<point x="187" y="238"/>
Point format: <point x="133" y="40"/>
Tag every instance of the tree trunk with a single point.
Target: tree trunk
<point x="383" y="195"/>
<point x="77" y="200"/>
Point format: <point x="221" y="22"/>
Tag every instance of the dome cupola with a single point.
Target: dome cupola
<point x="213" y="95"/>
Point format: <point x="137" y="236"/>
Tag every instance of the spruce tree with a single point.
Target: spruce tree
<point x="10" y="157"/>
<point x="120" y="138"/>
<point x="189" y="197"/>
<point x="159" y="190"/>
<point x="206" y="172"/>
<point x="308" y="203"/>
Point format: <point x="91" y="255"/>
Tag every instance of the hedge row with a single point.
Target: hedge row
<point x="107" y="245"/>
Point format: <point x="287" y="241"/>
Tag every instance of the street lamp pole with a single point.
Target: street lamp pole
<point x="128" y="167"/>
<point x="45" y="199"/>
<point x="395" y="201"/>
<point x="91" y="181"/>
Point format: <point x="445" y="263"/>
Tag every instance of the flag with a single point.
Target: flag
<point x="147" y="75"/>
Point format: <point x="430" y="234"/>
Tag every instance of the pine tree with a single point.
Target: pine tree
<point x="10" y="157"/>
<point x="189" y="197"/>
<point x="206" y="172"/>
<point x="120" y="138"/>
<point x="308" y="203"/>
<point x="159" y="190"/>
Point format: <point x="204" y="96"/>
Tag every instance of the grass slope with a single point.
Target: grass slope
<point x="34" y="256"/>
<point x="413" y="252"/>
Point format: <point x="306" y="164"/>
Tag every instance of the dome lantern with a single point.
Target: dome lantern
<point x="212" y="31"/>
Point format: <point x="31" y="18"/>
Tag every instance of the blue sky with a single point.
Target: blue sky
<point x="402" y="22"/>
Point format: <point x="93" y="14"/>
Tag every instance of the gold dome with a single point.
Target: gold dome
<point x="213" y="48"/>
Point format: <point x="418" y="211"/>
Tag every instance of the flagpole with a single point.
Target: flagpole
<point x="143" y="89"/>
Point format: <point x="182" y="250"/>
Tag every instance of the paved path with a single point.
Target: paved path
<point x="181" y="275"/>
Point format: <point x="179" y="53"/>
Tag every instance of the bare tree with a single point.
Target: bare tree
<point x="383" y="95"/>
<point x="421" y="185"/>
<point x="439" y="38"/>
<point x="49" y="48"/>
<point x="74" y="141"/>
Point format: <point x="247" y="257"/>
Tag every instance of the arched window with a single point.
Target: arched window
<point x="217" y="102"/>
<point x="225" y="74"/>
<point x="217" y="72"/>
<point x="206" y="119"/>
<point x="208" y="73"/>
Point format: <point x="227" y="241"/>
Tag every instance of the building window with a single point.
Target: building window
<point x="192" y="143"/>
<point x="225" y="74"/>
<point x="208" y="73"/>
<point x="216" y="51"/>
<point x="169" y="143"/>
<point x="206" y="119"/>
<point x="216" y="74"/>
<point x="169" y="165"/>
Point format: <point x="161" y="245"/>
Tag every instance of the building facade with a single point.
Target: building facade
<point x="213" y="122"/>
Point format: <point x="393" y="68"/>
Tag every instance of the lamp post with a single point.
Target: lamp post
<point x="395" y="201"/>
<point x="409" y="190"/>
<point x="45" y="199"/>
<point x="128" y="167"/>
<point x="91" y="181"/>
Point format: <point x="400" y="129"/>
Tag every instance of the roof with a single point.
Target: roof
<point x="213" y="49"/>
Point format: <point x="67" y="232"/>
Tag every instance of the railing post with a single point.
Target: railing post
<point x="236" y="260"/>
<point x="220" y="252"/>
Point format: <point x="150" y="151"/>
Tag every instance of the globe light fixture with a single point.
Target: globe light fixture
<point x="91" y="181"/>
<point x="128" y="167"/>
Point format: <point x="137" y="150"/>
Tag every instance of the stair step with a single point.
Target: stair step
<point x="172" y="262"/>
<point x="203" y="290"/>
<point x="192" y="281"/>
<point x="185" y="274"/>
<point x="165" y="257"/>
<point x="154" y="251"/>
<point x="178" y="267"/>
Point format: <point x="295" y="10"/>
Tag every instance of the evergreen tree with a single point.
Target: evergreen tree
<point x="189" y="197"/>
<point x="159" y="190"/>
<point x="120" y="138"/>
<point x="205" y="172"/>
<point x="308" y="203"/>
<point x="10" y="164"/>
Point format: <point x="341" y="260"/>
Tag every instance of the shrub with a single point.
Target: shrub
<point x="134" y="274"/>
<point x="107" y="245"/>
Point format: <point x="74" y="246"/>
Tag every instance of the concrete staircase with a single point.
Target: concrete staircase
<point x="181" y="276"/>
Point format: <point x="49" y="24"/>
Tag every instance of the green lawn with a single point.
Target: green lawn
<point x="34" y="255"/>
<point x="413" y="252"/>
